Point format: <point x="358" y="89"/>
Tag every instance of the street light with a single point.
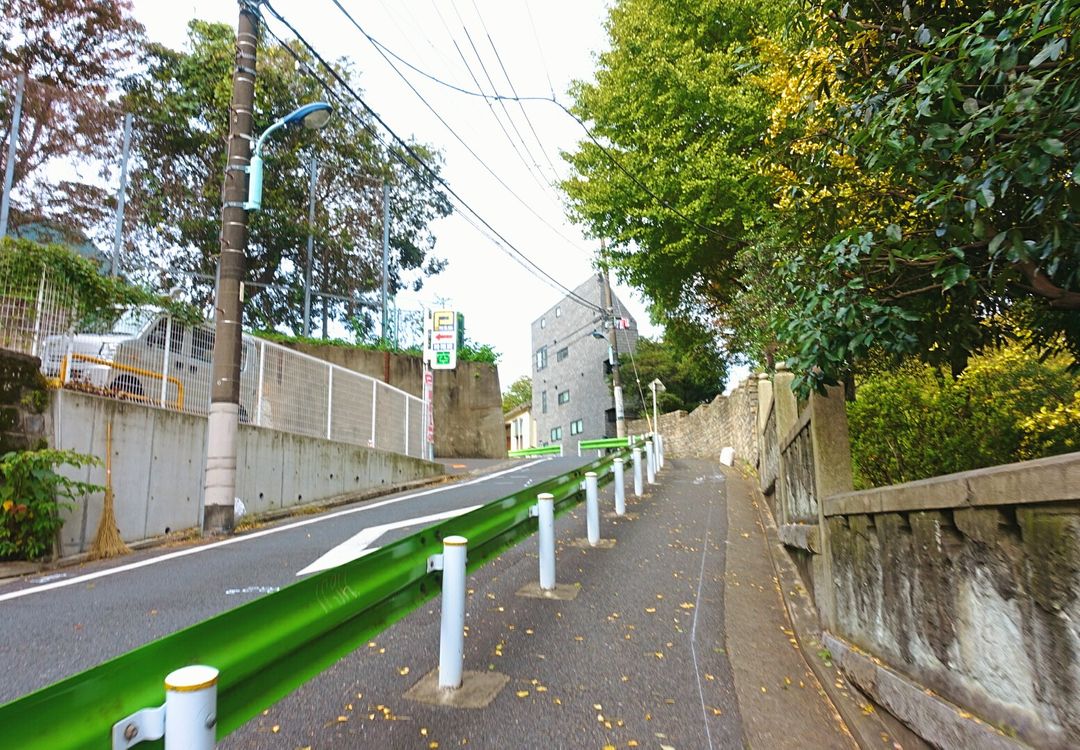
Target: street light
<point x="313" y="116"/>
<point x="219" y="486"/>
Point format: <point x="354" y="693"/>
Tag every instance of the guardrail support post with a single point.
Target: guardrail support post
<point x="546" y="506"/>
<point x="452" y="634"/>
<point x="592" y="509"/>
<point x="637" y="472"/>
<point x="620" y="488"/>
<point x="650" y="462"/>
<point x="191" y="708"/>
<point x="187" y="721"/>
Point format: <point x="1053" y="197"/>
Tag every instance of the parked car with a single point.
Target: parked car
<point x="133" y="361"/>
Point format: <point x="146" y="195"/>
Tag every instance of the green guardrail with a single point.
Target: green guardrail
<point x="546" y="450"/>
<point x="267" y="648"/>
<point x="603" y="443"/>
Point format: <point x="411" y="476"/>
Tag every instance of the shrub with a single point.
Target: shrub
<point x="31" y="497"/>
<point x="920" y="422"/>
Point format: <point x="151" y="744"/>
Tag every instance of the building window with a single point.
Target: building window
<point x="543" y="323"/>
<point x="562" y="354"/>
<point x="541" y="358"/>
<point x="577" y="427"/>
<point x="558" y="311"/>
<point x="564" y="397"/>
<point x="543" y="402"/>
<point x="556" y="434"/>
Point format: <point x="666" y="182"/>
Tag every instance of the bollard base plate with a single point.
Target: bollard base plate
<point x="602" y="544"/>
<point x="563" y="592"/>
<point x="478" y="689"/>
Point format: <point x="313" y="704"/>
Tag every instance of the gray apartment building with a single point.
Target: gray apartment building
<point x="572" y="398"/>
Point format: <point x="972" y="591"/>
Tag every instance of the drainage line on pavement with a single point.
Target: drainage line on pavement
<point x="693" y="625"/>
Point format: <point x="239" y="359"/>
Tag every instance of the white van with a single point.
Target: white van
<point x="132" y="361"/>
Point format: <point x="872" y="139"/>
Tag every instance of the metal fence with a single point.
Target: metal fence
<point x="149" y="357"/>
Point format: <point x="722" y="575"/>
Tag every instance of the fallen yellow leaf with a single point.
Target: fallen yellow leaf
<point x="522" y="693"/>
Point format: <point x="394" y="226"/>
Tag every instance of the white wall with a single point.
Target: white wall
<point x="159" y="457"/>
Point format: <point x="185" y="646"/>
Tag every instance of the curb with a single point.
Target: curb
<point x="866" y="727"/>
<point x="19" y="569"/>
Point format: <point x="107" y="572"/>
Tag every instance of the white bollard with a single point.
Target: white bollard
<point x="545" y="502"/>
<point x="452" y="634"/>
<point x="637" y="472"/>
<point x="191" y="708"/>
<point x="620" y="487"/>
<point x="650" y="462"/>
<point x="659" y="451"/>
<point x="592" y="509"/>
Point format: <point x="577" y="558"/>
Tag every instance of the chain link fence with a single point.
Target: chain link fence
<point x="146" y="356"/>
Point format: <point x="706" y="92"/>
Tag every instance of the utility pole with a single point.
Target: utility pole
<point x="385" y="254"/>
<point x="220" y="487"/>
<point x="314" y="176"/>
<point x="616" y="378"/>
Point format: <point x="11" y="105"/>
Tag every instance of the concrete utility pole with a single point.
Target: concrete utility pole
<point x="616" y="378"/>
<point x="220" y="487"/>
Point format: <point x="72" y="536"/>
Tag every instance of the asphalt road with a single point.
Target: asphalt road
<point x="78" y="617"/>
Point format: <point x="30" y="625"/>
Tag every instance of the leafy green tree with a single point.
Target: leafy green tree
<point x="678" y="103"/>
<point x="919" y="421"/>
<point x="687" y="360"/>
<point x="517" y="393"/>
<point x="176" y="186"/>
<point x="961" y="117"/>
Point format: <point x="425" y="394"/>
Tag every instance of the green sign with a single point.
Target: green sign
<point x="442" y="358"/>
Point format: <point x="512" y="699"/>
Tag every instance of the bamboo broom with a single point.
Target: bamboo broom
<point x="107" y="541"/>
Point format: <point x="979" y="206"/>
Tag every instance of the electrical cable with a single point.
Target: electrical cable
<point x="506" y="75"/>
<point x="503" y="243"/>
<point x="581" y="123"/>
<point x="630" y="350"/>
<point x="491" y="83"/>
<point x="476" y="82"/>
<point x="455" y="134"/>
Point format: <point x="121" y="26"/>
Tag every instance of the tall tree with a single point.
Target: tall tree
<point x="72" y="53"/>
<point x="687" y="360"/>
<point x="678" y="109"/>
<point x="961" y="119"/>
<point x="177" y="185"/>
<point x="517" y="393"/>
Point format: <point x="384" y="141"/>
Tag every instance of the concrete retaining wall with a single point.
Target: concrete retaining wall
<point x="158" y="461"/>
<point x="970" y="584"/>
<point x="728" y="420"/>
<point x="468" y="401"/>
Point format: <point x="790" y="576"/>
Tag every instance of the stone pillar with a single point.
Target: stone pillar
<point x="832" y="476"/>
<point x="787" y="413"/>
<point x="764" y="403"/>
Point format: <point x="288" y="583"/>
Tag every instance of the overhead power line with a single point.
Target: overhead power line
<point x="569" y="113"/>
<point x="454" y="133"/>
<point x="420" y="163"/>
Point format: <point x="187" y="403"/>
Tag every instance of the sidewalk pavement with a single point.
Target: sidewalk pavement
<point x="678" y="639"/>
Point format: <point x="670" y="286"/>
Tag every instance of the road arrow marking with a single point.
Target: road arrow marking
<point x="357" y="545"/>
<point x="202" y="548"/>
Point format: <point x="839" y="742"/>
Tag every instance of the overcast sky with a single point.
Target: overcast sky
<point x="543" y="47"/>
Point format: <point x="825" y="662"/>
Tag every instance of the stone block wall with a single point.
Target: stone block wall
<point x="24" y="397"/>
<point x="979" y="602"/>
<point x="702" y="433"/>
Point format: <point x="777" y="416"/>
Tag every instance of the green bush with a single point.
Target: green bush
<point x="31" y="497"/>
<point x="919" y="422"/>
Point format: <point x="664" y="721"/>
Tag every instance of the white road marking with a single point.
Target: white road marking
<point x="254" y="535"/>
<point x="357" y="545"/>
